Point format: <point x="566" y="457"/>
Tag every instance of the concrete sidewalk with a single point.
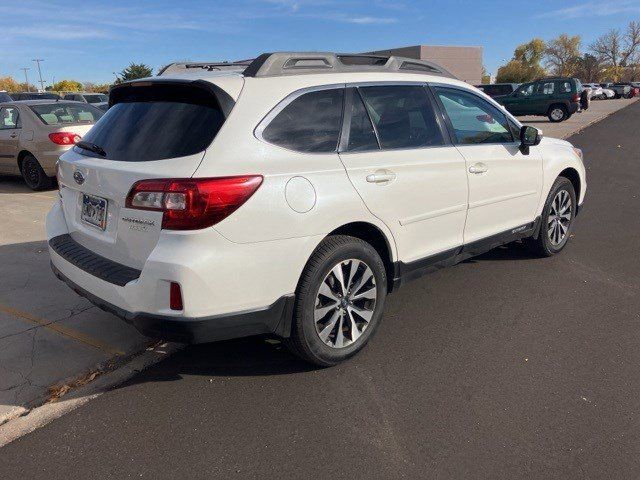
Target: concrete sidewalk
<point x="49" y="336"/>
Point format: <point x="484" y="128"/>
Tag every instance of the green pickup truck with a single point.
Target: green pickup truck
<point x="557" y="98"/>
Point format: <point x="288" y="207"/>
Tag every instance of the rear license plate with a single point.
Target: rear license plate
<point x="94" y="211"/>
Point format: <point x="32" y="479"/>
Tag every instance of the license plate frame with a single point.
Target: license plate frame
<point x="94" y="211"/>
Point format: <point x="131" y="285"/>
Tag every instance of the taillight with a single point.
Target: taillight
<point x="576" y="97"/>
<point x="192" y="203"/>
<point x="64" y="138"/>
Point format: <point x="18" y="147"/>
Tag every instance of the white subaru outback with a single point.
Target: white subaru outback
<point x="289" y="195"/>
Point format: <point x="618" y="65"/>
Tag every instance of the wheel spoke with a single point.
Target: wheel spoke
<point x="339" y="342"/>
<point x="321" y="312"/>
<point x="365" y="314"/>
<point x="369" y="294"/>
<point x="355" y="332"/>
<point x="339" y="276"/>
<point x="326" y="331"/>
<point x="366" y="276"/>
<point x="326" y="291"/>
<point x="353" y="269"/>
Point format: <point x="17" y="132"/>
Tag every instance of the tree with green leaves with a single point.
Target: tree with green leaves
<point x="525" y="64"/>
<point x="133" y="72"/>
<point x="561" y="55"/>
<point x="589" y="69"/>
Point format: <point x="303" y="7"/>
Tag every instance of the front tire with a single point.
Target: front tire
<point x="557" y="219"/>
<point x="339" y="301"/>
<point x="33" y="174"/>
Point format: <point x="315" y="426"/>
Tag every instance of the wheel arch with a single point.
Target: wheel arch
<point x="374" y="236"/>
<point x="21" y="157"/>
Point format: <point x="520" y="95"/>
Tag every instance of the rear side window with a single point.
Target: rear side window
<point x="9" y="118"/>
<point x="565" y="87"/>
<point x="67" y="113"/>
<point x="310" y="123"/>
<point x="156" y="122"/>
<point x="473" y="119"/>
<point x="546" y="88"/>
<point x="403" y="116"/>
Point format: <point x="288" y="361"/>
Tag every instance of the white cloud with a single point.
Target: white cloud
<point x="592" y="9"/>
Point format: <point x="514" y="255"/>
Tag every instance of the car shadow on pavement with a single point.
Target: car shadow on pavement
<point x="245" y="357"/>
<point x="13" y="184"/>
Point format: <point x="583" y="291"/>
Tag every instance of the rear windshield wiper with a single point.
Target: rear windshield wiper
<point x="92" y="147"/>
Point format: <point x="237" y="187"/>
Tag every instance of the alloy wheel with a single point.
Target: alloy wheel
<point x="559" y="218"/>
<point x="345" y="303"/>
<point x="557" y="114"/>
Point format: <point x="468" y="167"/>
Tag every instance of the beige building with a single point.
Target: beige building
<point x="464" y="62"/>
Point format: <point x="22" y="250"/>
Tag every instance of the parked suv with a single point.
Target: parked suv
<point x="556" y="98"/>
<point x="98" y="100"/>
<point x="288" y="197"/>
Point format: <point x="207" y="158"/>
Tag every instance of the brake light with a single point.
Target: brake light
<point x="175" y="296"/>
<point x="576" y="97"/>
<point x="64" y="138"/>
<point x="193" y="203"/>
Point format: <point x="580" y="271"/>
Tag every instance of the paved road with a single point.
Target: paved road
<point x="501" y="367"/>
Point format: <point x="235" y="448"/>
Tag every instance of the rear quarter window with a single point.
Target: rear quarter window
<point x="310" y="123"/>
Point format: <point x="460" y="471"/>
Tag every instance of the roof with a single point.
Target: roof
<point x="46" y="101"/>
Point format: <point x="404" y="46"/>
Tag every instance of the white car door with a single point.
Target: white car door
<point x="408" y="175"/>
<point x="504" y="184"/>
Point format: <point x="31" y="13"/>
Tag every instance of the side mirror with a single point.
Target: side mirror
<point x="529" y="137"/>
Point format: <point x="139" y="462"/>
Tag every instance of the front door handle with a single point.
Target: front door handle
<point x="478" y="168"/>
<point x="381" y="177"/>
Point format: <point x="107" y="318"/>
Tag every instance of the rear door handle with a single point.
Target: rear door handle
<point x="13" y="135"/>
<point x="381" y="176"/>
<point x="478" y="168"/>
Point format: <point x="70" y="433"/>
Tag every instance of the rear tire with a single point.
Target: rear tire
<point x="339" y="301"/>
<point x="556" y="220"/>
<point x="34" y="175"/>
<point x="558" y="113"/>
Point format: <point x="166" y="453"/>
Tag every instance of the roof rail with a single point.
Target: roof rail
<point x="238" y="66"/>
<point x="297" y="63"/>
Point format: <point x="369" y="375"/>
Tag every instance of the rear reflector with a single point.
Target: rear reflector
<point x="64" y="138"/>
<point x="193" y="203"/>
<point x="175" y="297"/>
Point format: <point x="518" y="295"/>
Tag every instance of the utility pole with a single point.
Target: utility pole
<point x="26" y="78"/>
<point x="38" y="60"/>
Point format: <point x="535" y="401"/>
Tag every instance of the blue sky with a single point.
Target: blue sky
<point x="88" y="40"/>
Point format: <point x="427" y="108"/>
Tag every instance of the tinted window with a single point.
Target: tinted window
<point x="546" y="88"/>
<point x="361" y="134"/>
<point x="403" y="116"/>
<point x="526" y="90"/>
<point x="9" y="118"/>
<point x="310" y="123"/>
<point x="565" y="87"/>
<point x="67" y="113"/>
<point x="97" y="98"/>
<point x="156" y="122"/>
<point x="473" y="119"/>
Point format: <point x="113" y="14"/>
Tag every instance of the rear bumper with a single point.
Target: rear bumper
<point x="574" y="107"/>
<point x="274" y="319"/>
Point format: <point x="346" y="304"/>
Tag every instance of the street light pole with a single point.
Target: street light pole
<point x="26" y="78"/>
<point x="38" y="60"/>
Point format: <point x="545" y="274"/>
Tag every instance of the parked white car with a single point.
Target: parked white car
<point x="598" y="92"/>
<point x="289" y="196"/>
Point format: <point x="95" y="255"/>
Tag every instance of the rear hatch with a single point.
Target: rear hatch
<point x="154" y="129"/>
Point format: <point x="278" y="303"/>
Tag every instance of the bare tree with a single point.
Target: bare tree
<point x="618" y="49"/>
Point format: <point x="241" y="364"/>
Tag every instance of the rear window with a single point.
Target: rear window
<point x="98" y="98"/>
<point x="156" y="122"/>
<point x="67" y="113"/>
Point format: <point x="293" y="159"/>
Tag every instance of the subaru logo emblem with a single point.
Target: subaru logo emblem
<point x="78" y="177"/>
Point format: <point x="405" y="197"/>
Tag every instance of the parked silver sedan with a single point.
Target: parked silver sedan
<point x="34" y="133"/>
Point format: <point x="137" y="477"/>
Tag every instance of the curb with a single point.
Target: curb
<point x="17" y="426"/>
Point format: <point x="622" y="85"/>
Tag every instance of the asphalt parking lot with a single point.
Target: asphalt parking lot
<point x="505" y="366"/>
